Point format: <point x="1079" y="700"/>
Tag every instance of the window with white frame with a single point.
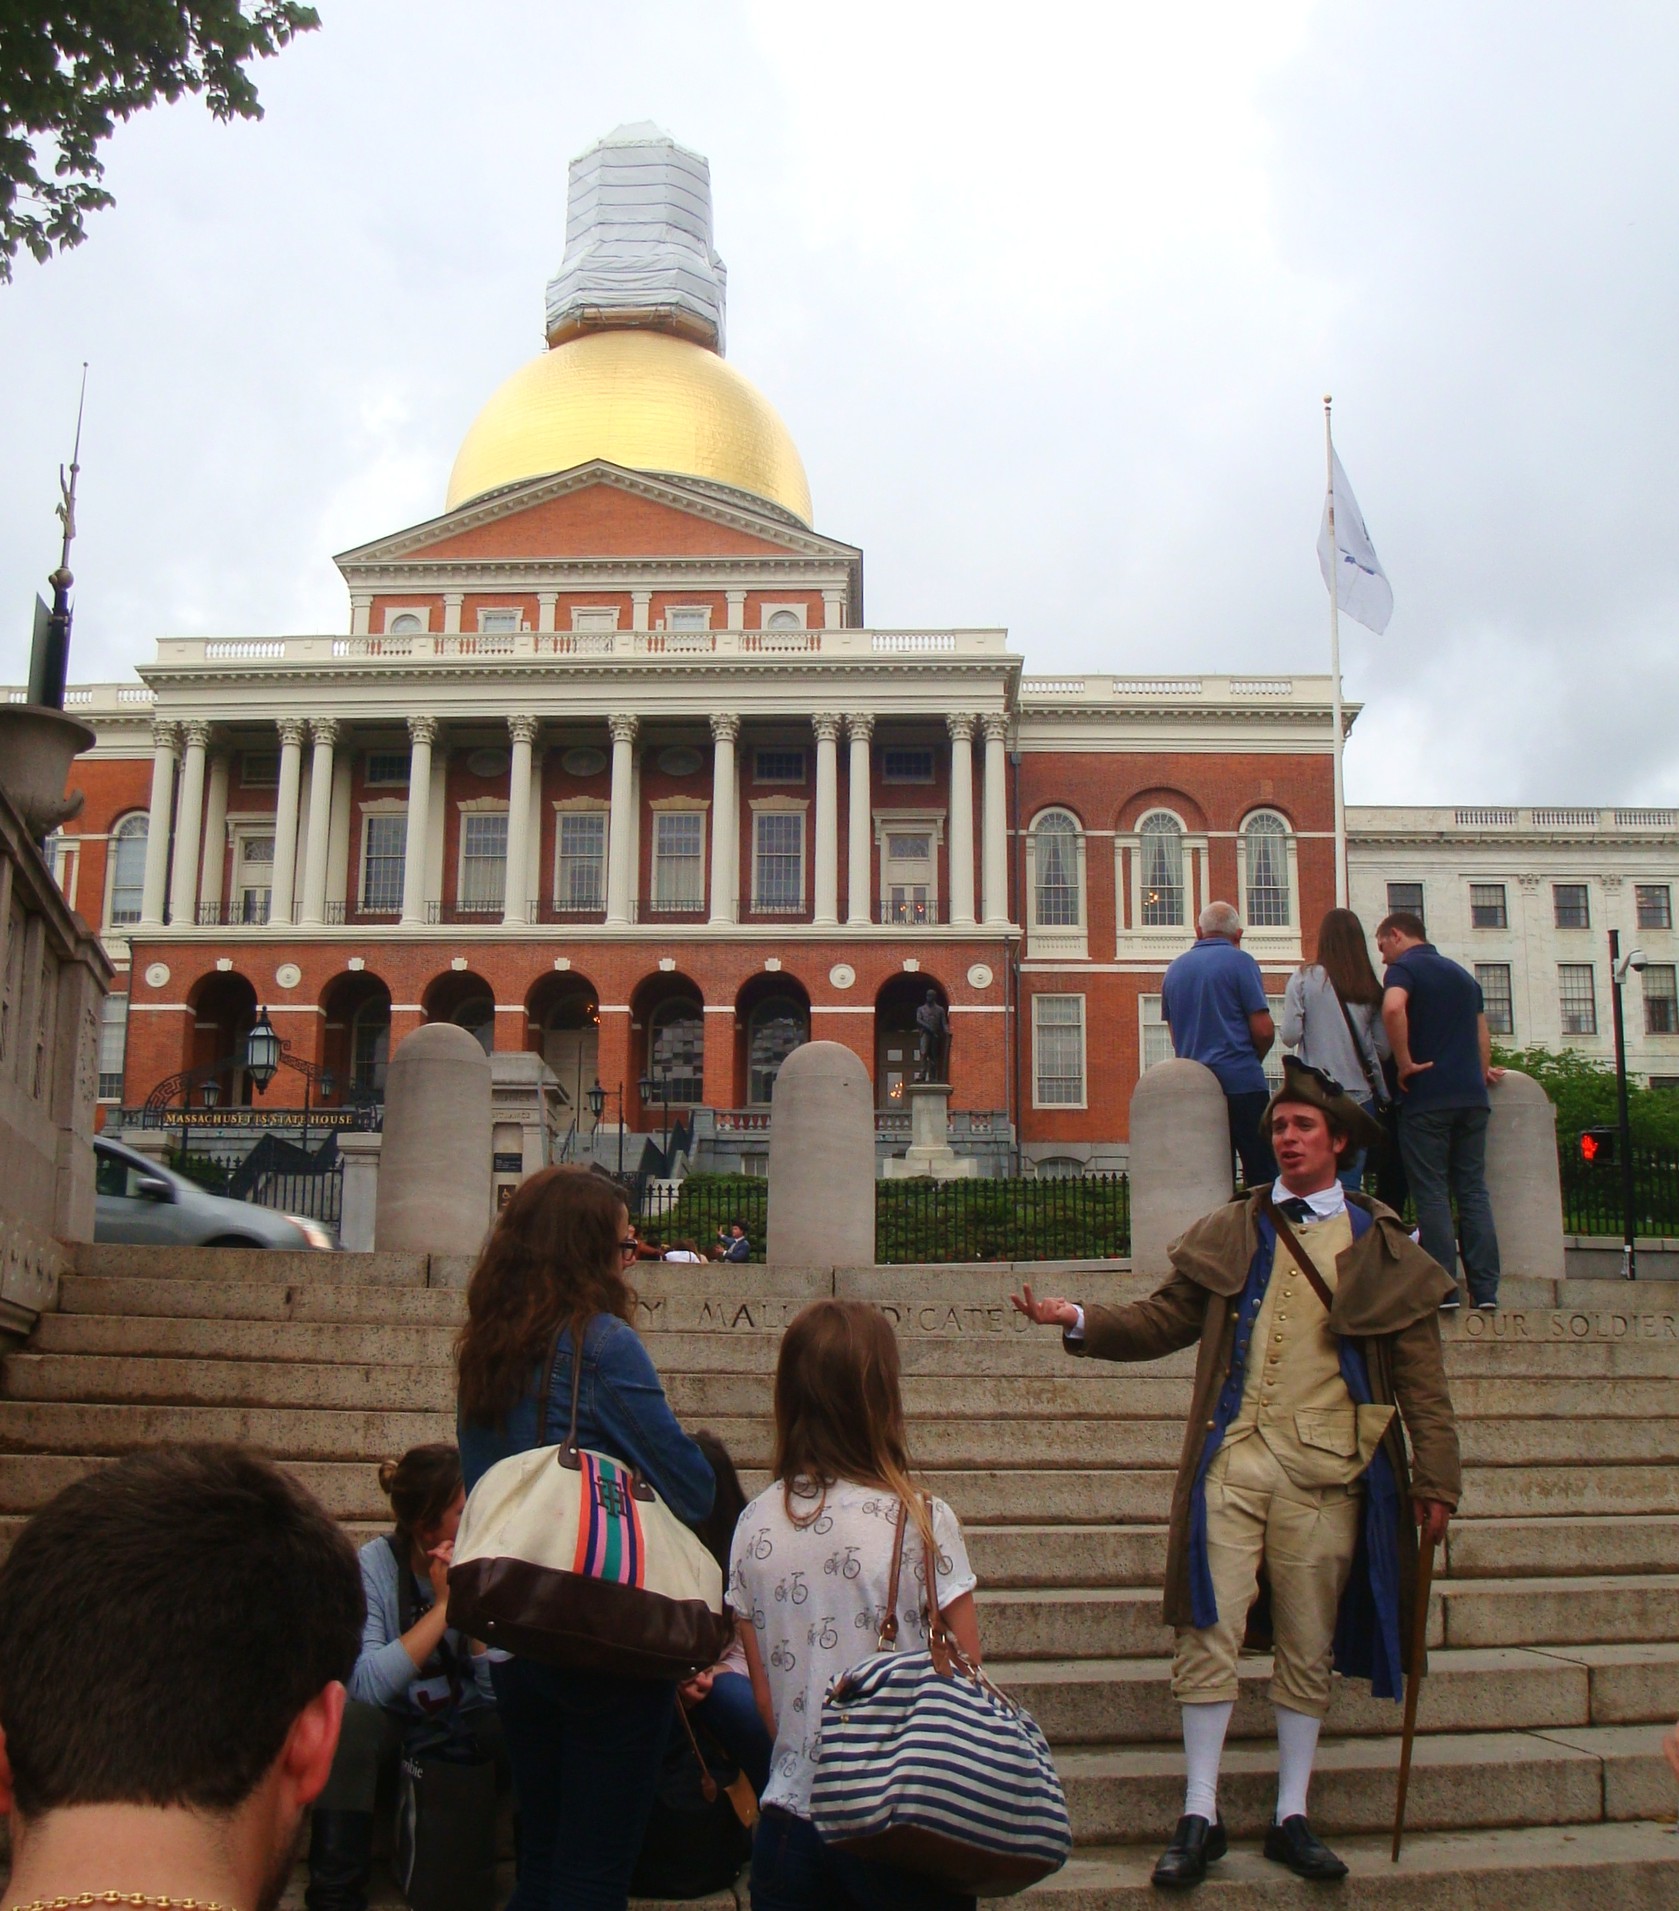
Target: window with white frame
<point x="253" y="875"/>
<point x="778" y="766"/>
<point x="1487" y="909"/>
<point x="1497" y="997"/>
<point x="1571" y="903"/>
<point x="594" y="616"/>
<point x="1661" y="999"/>
<point x="502" y="618"/>
<point x="1407" y="899"/>
<point x="1058" y="1050"/>
<point x="901" y="765"/>
<point x="1056" y="901"/>
<point x="1160" y="846"/>
<point x="907" y="875"/>
<point x="778" y="861"/>
<point x="483" y="875"/>
<point x="1266" y="840"/>
<point x="404" y="623"/>
<point x="678" y="859"/>
<point x="383" y="845"/>
<point x="113" y="1046"/>
<point x="787" y="617"/>
<point x="61" y="851"/>
<point x="688" y="617"/>
<point x="580" y="876"/>
<point x="128" y="868"/>
<point x="1155" y="1036"/>
<point x="1577" y="995"/>
<point x="1654" y="904"/>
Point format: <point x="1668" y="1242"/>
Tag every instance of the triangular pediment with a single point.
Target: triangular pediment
<point x="597" y="511"/>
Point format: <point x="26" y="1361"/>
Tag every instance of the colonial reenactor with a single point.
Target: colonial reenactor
<point x="1317" y="1316"/>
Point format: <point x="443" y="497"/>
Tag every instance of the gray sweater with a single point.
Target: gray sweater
<point x="384" y="1673"/>
<point x="1314" y="1027"/>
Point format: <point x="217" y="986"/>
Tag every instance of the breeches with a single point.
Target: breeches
<point x="1306" y="1537"/>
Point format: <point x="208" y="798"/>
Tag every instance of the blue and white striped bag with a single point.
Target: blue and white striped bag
<point x="921" y="1762"/>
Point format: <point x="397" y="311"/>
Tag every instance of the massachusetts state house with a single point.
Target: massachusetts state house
<point x="607" y="764"/>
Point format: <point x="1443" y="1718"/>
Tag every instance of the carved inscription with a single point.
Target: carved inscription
<point x="757" y="1314"/>
<point x="1558" y="1324"/>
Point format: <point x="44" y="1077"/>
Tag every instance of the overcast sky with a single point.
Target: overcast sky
<point x="1048" y="298"/>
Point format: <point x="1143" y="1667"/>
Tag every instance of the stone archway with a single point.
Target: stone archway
<point x="896" y="1038"/>
<point x="563" y="1027"/>
<point x="772" y="1018"/>
<point x="465" y="999"/>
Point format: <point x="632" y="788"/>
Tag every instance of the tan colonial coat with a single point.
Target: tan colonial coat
<point x="1387" y="1297"/>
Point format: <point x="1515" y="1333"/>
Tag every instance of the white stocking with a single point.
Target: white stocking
<point x="1204" y="1727"/>
<point x="1297" y="1747"/>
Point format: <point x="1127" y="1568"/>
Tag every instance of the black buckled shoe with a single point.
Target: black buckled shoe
<point x="1195" y="1845"/>
<point x="1295" y="1844"/>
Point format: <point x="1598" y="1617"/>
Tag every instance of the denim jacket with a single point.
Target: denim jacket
<point x="622" y="1411"/>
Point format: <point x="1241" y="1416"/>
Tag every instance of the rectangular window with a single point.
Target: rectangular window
<point x="1406" y="897"/>
<point x="259" y="769"/>
<point x="387" y="769"/>
<point x="584" y="617"/>
<point x="383" y="845"/>
<point x="678" y="859"/>
<point x="113" y="1044"/>
<point x="1157" y="1037"/>
<point x="688" y="617"/>
<point x="483" y="861"/>
<point x="778" y="766"/>
<point x="908" y="869"/>
<point x="579" y="888"/>
<point x="1486" y="906"/>
<point x="1661" y="999"/>
<point x="1668" y="1082"/>
<point x="499" y="620"/>
<point x="254" y="882"/>
<point x="1494" y="978"/>
<point x="1654" y="903"/>
<point x="1058" y="1050"/>
<point x="778" y="862"/>
<point x="906" y="766"/>
<point x="1572" y="904"/>
<point x="1577" y="990"/>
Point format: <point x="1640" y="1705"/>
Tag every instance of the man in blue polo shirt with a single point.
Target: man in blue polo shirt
<point x="1213" y="999"/>
<point x="1442" y="1050"/>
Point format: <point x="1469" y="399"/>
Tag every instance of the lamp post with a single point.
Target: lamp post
<point x="265" y="1055"/>
<point x="649" y="1085"/>
<point x="597" y="1107"/>
<point x="1618" y="966"/>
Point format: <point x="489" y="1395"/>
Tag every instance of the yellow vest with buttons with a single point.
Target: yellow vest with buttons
<point x="1293" y="1396"/>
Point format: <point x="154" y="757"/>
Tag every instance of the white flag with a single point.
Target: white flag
<point x="1361" y="586"/>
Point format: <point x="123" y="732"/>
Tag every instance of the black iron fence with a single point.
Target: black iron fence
<point x="274" y="1174"/>
<point x="1592" y="1200"/>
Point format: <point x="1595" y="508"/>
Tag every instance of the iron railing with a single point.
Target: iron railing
<point x="1592" y="1200"/>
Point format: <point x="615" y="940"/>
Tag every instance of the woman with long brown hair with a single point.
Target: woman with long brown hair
<point x="585" y="1746"/>
<point x="1332" y="1018"/>
<point x="810" y="1577"/>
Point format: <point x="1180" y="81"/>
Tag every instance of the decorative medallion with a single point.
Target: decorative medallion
<point x="679" y="760"/>
<point x="583" y="762"/>
<point x="488" y="763"/>
<point x="459" y="962"/>
<point x="773" y="964"/>
<point x="288" y="975"/>
<point x="562" y="963"/>
<point x="979" y="976"/>
<point x="912" y="965"/>
<point x="356" y="964"/>
<point x="157" y="975"/>
<point x="842" y="975"/>
<point x="224" y="965"/>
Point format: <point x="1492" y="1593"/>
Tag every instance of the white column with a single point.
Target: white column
<point x="859" y="900"/>
<point x="338" y="840"/>
<point x="422" y="733"/>
<point x="215" y="832"/>
<point x="620" y="828"/>
<point x="826" y="891"/>
<point x="641" y="606"/>
<point x="545" y="602"/>
<point x="961" y="818"/>
<point x="324" y="732"/>
<point x="725" y="817"/>
<point x="183" y="869"/>
<point x="165" y="740"/>
<point x="361" y="612"/>
<point x="285" y="818"/>
<point x="737" y="610"/>
<point x="833" y="609"/>
<point x="452" y="610"/>
<point x="996" y="825"/>
<point x="516" y="902"/>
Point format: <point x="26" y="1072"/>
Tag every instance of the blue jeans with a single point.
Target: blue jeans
<point x="1445" y="1155"/>
<point x="1259" y="1165"/>
<point x="792" y="1870"/>
<point x="586" y="1750"/>
<point x="730" y="1713"/>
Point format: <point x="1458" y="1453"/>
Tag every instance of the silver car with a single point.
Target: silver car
<point x="138" y="1202"/>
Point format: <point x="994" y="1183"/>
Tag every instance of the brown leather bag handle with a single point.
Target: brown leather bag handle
<point x="888" y="1636"/>
<point x="1291" y="1241"/>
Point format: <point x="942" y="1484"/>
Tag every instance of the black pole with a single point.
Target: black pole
<point x="620" y="1131"/>
<point x="1629" y="1243"/>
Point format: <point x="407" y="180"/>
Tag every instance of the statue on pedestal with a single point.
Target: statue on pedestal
<point x="933" y="1020"/>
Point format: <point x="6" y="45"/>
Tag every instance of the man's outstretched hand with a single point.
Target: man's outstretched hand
<point x="1048" y="1312"/>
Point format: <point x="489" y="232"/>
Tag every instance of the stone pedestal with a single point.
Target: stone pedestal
<point x="1180" y="1157"/>
<point x="1523" y="1180"/>
<point x="930" y="1152"/>
<point x="821" y="1198"/>
<point x="526" y="1104"/>
<point x="434" y="1175"/>
<point x="359" y="1203"/>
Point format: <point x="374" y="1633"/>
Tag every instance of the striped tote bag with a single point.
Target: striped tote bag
<point x="570" y="1558"/>
<point x="922" y="1763"/>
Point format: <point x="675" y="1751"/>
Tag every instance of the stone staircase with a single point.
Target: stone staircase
<point x="1555" y="1624"/>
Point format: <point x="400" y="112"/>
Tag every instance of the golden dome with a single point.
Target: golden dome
<point x="642" y="399"/>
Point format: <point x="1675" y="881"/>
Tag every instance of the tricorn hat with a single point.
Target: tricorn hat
<point x="1318" y="1089"/>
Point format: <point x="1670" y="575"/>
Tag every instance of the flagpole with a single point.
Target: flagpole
<point x="1335" y="663"/>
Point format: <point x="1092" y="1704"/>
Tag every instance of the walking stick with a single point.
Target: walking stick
<point x="1413" y="1684"/>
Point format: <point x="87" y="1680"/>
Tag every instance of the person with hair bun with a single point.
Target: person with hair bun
<point x="418" y="1685"/>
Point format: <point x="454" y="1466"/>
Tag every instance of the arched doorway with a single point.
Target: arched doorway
<point x="669" y="1042"/>
<point x="357" y="1009"/>
<point x="896" y="1037"/>
<point x="224" y="1011"/>
<point x="465" y="999"/>
<point x="563" y="1016"/>
<point x="772" y="1018"/>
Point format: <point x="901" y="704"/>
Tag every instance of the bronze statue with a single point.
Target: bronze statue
<point x="933" y="1020"/>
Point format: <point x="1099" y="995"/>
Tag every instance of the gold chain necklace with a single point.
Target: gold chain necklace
<point x="84" y="1898"/>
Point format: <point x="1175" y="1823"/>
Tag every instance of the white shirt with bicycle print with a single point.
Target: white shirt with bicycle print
<point x="816" y="1595"/>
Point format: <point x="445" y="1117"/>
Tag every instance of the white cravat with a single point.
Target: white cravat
<point x="1325" y="1204"/>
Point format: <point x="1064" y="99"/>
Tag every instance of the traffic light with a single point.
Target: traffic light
<point x="1598" y="1144"/>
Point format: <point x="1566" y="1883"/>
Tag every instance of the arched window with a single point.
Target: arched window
<point x="1267" y="864"/>
<point x="128" y="867"/>
<point x="404" y="625"/>
<point x="1161" y="848"/>
<point x="676" y="1047"/>
<point x="1055" y="870"/>
<point x="784" y="620"/>
<point x="777" y="1026"/>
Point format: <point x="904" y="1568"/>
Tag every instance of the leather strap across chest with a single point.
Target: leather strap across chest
<point x="1303" y="1260"/>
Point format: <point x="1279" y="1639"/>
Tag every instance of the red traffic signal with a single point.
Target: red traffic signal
<point x="1597" y="1144"/>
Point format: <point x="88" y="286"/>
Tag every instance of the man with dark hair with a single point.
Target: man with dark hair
<point x="1214" y="1003"/>
<point x="1317" y="1318"/>
<point x="1442" y="1054"/>
<point x="176" y="1632"/>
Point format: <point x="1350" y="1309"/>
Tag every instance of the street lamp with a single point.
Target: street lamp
<point x="649" y="1086"/>
<point x="597" y="1107"/>
<point x="262" y="1052"/>
<point x="1618" y="967"/>
<point x="211" y="1091"/>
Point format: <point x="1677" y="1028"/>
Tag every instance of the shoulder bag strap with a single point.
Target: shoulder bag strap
<point x="548" y="1388"/>
<point x="406" y="1610"/>
<point x="889" y="1621"/>
<point x="1291" y="1241"/>
<point x="1372" y="1074"/>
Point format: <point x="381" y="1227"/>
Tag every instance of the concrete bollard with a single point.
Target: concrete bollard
<point x="821" y="1198"/>
<point x="434" y="1167"/>
<point x="1524" y="1181"/>
<point x="1180" y="1157"/>
<point x="359" y="1205"/>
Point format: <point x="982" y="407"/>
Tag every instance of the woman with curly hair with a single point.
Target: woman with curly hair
<point x="548" y="1290"/>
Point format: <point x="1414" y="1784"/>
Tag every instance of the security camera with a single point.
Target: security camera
<point x="1633" y="959"/>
